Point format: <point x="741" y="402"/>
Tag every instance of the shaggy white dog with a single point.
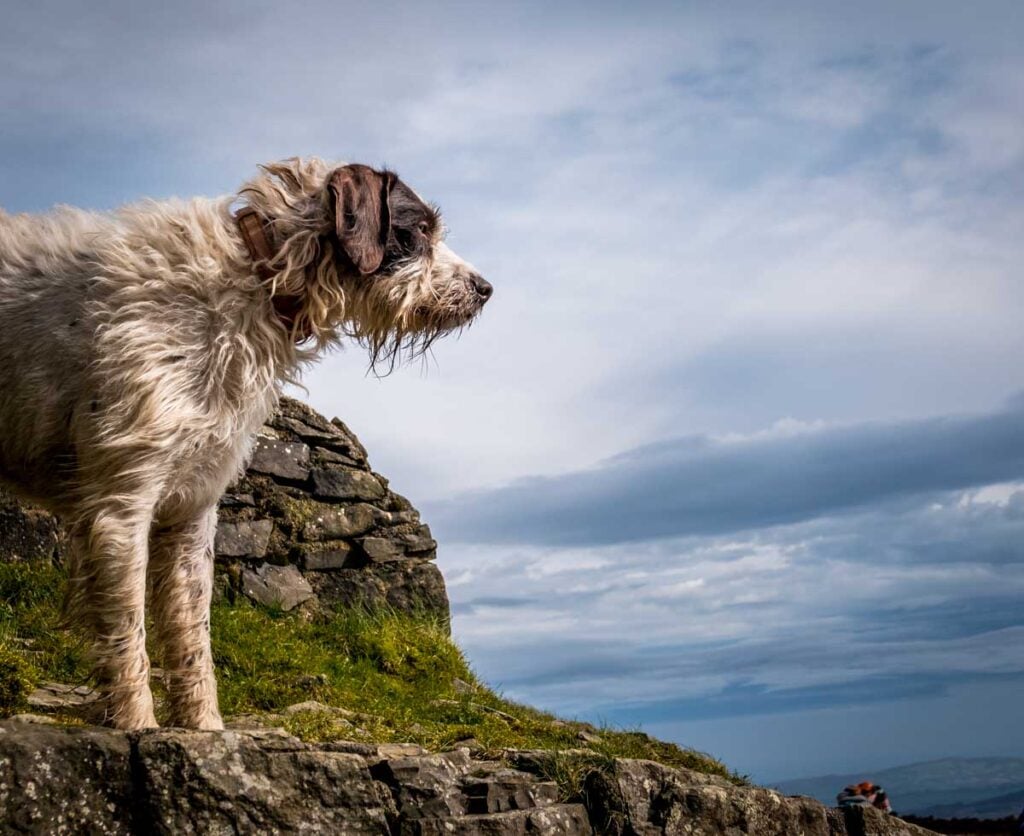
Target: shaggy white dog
<point x="140" y="351"/>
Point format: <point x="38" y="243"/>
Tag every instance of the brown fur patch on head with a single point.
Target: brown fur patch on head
<point x="362" y="214"/>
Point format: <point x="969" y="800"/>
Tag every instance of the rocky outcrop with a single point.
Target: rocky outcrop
<point x="68" y="780"/>
<point x="311" y="523"/>
<point x="642" y="798"/>
<point x="308" y="524"/>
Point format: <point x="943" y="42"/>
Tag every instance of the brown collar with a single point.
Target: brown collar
<point x="257" y="241"/>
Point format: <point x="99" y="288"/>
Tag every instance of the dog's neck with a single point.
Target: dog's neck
<point x="257" y="240"/>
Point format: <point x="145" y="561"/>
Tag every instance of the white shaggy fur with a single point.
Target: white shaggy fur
<point x="139" y="352"/>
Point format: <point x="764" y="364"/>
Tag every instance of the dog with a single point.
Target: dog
<point x="140" y="350"/>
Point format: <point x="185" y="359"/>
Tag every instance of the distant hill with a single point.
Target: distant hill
<point x="961" y="787"/>
<point x="986" y="808"/>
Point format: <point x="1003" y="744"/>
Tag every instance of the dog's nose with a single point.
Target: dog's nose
<point x="483" y="288"/>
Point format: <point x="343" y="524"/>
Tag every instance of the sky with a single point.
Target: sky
<point x="736" y="452"/>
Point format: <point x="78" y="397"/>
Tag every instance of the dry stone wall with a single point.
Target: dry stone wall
<point x="309" y="524"/>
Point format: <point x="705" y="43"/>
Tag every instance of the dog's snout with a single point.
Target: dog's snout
<point x="483" y="288"/>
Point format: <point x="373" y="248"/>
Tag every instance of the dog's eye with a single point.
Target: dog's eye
<point x="424" y="228"/>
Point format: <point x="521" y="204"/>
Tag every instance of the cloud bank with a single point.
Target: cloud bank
<point x="701" y="485"/>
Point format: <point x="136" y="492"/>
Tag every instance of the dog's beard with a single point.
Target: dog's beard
<point x="399" y="316"/>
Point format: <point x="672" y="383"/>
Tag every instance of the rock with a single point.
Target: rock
<point x="58" y="697"/>
<point x="295" y="418"/>
<point x="549" y="821"/>
<point x="317" y="708"/>
<point x="419" y="540"/>
<point x="245" y="538"/>
<point x="28" y="533"/>
<point x="39" y="719"/>
<point x="280" y="586"/>
<point x="543" y="761"/>
<point x="349" y="535"/>
<point x="70" y="780"/>
<point x="867" y="821"/>
<point x="355" y="447"/>
<point x="238" y="782"/>
<point x="336" y="484"/>
<point x="382" y="549"/>
<point x="460" y="686"/>
<point x="325" y="456"/>
<point x="283" y="459"/>
<point x="237" y="500"/>
<point x="405" y="585"/>
<point x="375" y="752"/>
<point x="322" y="558"/>
<point x="397" y="517"/>
<point x="589" y="738"/>
<point x="325" y="434"/>
<point x="426" y="786"/>
<point x="502" y="790"/>
<point x="400" y="750"/>
<point x="60" y="780"/>
<point x="643" y="798"/>
<point x="332" y="523"/>
<point x="397" y="503"/>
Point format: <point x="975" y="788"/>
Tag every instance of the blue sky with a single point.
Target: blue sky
<point x="736" y="453"/>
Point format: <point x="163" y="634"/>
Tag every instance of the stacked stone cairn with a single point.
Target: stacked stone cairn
<point x="310" y="524"/>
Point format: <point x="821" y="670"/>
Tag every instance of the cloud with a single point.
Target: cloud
<point x="705" y="486"/>
<point x="899" y="601"/>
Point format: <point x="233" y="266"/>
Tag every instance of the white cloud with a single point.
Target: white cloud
<point x="905" y="594"/>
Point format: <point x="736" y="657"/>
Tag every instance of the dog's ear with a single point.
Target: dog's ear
<point x="362" y="216"/>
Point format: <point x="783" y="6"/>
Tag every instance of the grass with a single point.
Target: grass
<point x="387" y="677"/>
<point x="30" y="596"/>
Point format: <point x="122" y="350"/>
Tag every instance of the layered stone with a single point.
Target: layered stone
<point x="62" y="780"/>
<point x="310" y="509"/>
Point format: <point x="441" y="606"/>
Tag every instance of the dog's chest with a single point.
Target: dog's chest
<point x="209" y="460"/>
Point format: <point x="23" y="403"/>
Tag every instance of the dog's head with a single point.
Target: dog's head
<point x="396" y="269"/>
<point x="366" y="255"/>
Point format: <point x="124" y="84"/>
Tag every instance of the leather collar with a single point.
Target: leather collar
<point x="257" y="240"/>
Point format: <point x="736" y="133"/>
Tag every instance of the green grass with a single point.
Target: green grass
<point x="30" y="596"/>
<point x="391" y="678"/>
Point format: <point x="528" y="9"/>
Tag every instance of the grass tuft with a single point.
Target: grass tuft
<point x="16" y="681"/>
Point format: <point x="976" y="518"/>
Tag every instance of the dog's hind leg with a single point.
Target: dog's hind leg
<point x="108" y="599"/>
<point x="181" y="572"/>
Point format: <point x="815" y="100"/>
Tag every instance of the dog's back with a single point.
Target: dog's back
<point x="44" y="349"/>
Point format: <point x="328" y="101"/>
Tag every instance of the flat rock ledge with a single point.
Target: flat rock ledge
<point x="77" y="779"/>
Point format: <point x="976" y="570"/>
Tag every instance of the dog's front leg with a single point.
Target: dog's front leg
<point x="113" y="570"/>
<point x="181" y="566"/>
